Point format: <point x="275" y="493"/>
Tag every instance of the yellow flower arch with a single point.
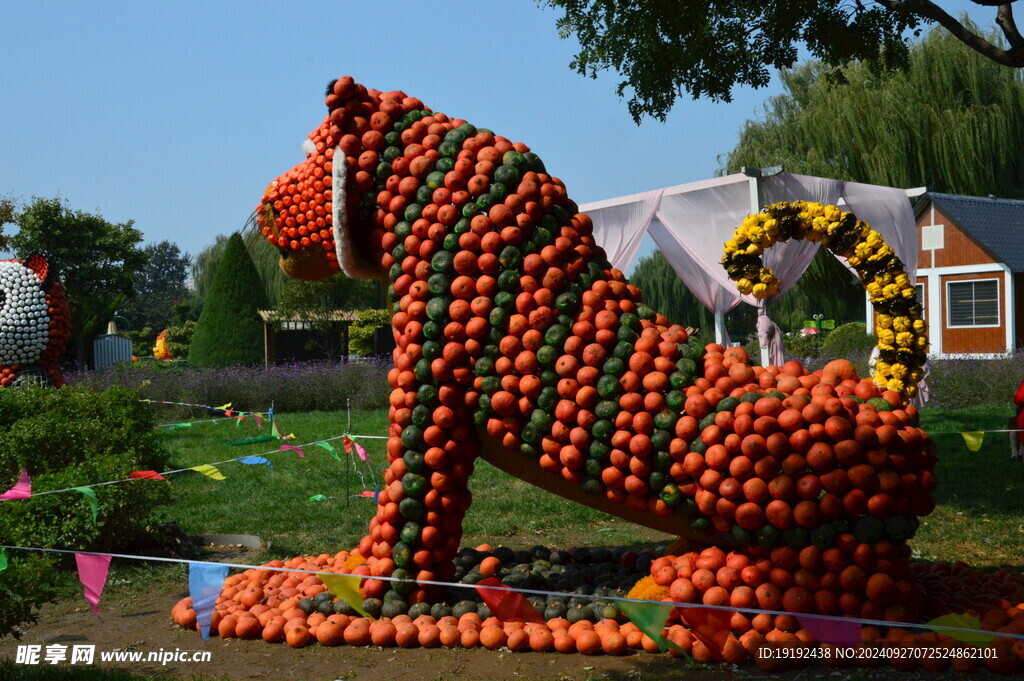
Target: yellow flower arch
<point x="902" y="334"/>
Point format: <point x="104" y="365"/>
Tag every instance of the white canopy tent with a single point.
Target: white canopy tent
<point x="690" y="224"/>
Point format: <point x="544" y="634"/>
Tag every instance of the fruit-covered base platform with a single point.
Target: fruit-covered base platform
<point x="581" y="613"/>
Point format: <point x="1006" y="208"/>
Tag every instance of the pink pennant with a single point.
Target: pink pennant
<point x="259" y="422"/>
<point x="147" y="475"/>
<point x="366" y="493"/>
<point x="833" y="632"/>
<point x="21" y="490"/>
<point x="298" y="450"/>
<point x="361" y="452"/>
<point x="92" y="573"/>
<point x="347" y="444"/>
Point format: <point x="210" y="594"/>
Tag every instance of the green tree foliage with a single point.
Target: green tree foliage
<point x="316" y="303"/>
<point x="264" y="256"/>
<point x="97" y="260"/>
<point x="953" y="121"/>
<point x="706" y="47"/>
<point x="8" y="212"/>
<point x="158" y="287"/>
<point x="826" y="288"/>
<point x="205" y="266"/>
<point x="229" y="331"/>
<point x="665" y="292"/>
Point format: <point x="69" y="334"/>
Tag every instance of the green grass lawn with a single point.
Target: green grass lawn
<point x="980" y="513"/>
<point x="979" y="518"/>
<point x="275" y="504"/>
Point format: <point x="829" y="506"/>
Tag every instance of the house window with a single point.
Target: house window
<point x="920" y="298"/>
<point x="973" y="303"/>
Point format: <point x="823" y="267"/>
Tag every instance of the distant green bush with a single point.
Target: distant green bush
<point x="228" y="331"/>
<point x="67" y="438"/>
<point x="848" y="339"/>
<point x="360" y="338"/>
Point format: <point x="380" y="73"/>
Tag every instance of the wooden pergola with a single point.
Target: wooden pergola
<point x="272" y="319"/>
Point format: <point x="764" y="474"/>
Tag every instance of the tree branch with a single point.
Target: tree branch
<point x="929" y="10"/>
<point x="1004" y="17"/>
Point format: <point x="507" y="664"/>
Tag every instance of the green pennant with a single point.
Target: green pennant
<point x="974" y="638"/>
<point x="251" y="440"/>
<point x="329" y="448"/>
<point x="90" y="496"/>
<point x="318" y="497"/>
<point x="3" y="559"/>
<point x="650" y="617"/>
<point x="273" y="429"/>
<point x="177" y="426"/>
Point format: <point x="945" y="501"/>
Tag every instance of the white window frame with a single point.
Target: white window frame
<point x="949" y="306"/>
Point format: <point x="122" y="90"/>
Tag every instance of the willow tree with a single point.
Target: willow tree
<point x="953" y="121"/>
<point x="661" y="48"/>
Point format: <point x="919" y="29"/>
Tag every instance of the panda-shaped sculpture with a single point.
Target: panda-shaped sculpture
<point x="35" y="323"/>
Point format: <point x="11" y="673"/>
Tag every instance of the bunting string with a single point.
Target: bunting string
<point x="937" y="625"/>
<point x="23" y="489"/>
<point x="207" y="407"/>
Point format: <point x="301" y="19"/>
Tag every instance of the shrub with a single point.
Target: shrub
<point x="848" y="339"/>
<point x="228" y="331"/>
<point x="26" y="584"/>
<point x="67" y="438"/>
<point x="360" y="340"/>
<point x="956" y="383"/>
<point x="802" y="347"/>
<point x="179" y="338"/>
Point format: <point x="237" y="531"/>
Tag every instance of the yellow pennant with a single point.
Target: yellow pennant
<point x="973" y="439"/>
<point x="353" y="561"/>
<point x="346" y="587"/>
<point x="223" y="407"/>
<point x="975" y="637"/>
<point x="209" y="471"/>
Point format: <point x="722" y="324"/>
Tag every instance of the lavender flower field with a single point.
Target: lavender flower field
<point x="300" y="387"/>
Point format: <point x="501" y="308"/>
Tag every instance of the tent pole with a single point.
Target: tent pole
<point x="719" y="327"/>
<point x="754" y="180"/>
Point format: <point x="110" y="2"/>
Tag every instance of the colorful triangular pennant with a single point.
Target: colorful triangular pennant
<point x="959" y="621"/>
<point x="255" y="460"/>
<point x="345" y="587"/>
<point x="836" y="632"/>
<point x="90" y="496"/>
<point x="297" y="450"/>
<point x="205" y="581"/>
<point x="973" y="439"/>
<point x="21" y="490"/>
<point x="92" y="573"/>
<point x="208" y="470"/>
<point x="506" y="604"/>
<point x="146" y="475"/>
<point x="329" y="448"/>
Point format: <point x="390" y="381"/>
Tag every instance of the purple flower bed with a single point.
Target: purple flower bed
<point x="308" y="386"/>
<point x="321" y="386"/>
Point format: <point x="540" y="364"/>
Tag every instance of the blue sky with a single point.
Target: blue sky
<point x="177" y="115"/>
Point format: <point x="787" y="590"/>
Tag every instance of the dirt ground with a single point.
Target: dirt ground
<point x="131" y="621"/>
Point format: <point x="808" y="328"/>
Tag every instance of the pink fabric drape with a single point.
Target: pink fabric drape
<point x="690" y="230"/>
<point x="620" y="228"/>
<point x="691" y="224"/>
<point x="769" y="336"/>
